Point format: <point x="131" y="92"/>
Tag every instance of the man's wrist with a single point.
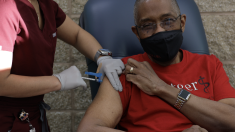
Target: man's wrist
<point x="182" y="98"/>
<point x="160" y="89"/>
<point x="168" y="93"/>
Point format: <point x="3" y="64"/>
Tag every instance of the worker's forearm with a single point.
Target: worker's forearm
<point x="22" y="86"/>
<point x="211" y="115"/>
<point x="74" y="35"/>
<point x="87" y="44"/>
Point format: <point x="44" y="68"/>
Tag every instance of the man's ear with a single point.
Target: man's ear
<point x="183" y="22"/>
<point x="134" y="30"/>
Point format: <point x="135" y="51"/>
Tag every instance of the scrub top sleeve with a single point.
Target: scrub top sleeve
<point x="59" y="14"/>
<point x="9" y="25"/>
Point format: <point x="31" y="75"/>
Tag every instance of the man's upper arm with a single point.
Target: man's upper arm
<point x="106" y="109"/>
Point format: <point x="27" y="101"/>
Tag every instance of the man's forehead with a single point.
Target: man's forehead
<point x="155" y="4"/>
<point x="155" y="7"/>
<point x="159" y="2"/>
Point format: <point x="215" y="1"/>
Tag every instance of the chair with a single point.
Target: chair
<point x="110" y="21"/>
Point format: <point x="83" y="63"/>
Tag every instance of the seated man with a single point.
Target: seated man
<point x="166" y="89"/>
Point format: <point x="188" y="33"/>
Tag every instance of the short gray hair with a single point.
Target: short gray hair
<point x="174" y="4"/>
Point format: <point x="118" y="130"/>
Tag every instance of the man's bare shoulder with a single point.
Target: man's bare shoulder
<point x="106" y="109"/>
<point x="106" y="90"/>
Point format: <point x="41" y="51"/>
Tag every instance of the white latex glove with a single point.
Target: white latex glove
<point x="111" y="68"/>
<point x="70" y="78"/>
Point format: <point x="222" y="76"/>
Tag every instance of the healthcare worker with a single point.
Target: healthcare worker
<point x="28" y="34"/>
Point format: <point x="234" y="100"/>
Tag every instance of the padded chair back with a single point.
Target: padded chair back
<point x="110" y="21"/>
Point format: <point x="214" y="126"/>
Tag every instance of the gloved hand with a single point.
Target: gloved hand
<point x="70" y="78"/>
<point x="111" y="68"/>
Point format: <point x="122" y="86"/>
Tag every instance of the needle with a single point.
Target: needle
<point x="98" y="75"/>
<point x="92" y="79"/>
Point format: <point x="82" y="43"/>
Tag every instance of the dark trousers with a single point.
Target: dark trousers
<point x="9" y="118"/>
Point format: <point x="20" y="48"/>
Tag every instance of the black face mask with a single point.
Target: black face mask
<point x="163" y="46"/>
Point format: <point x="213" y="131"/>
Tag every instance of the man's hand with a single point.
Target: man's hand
<point x="111" y="68"/>
<point x="195" y="128"/>
<point x="143" y="76"/>
<point x="70" y="78"/>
